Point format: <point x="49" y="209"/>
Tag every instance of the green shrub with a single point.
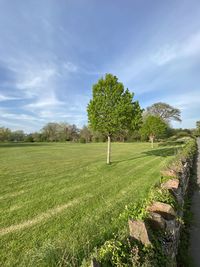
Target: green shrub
<point x="82" y="140"/>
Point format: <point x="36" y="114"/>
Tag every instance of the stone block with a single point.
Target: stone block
<point x="169" y="172"/>
<point x="171" y="184"/>
<point x="156" y="221"/>
<point x="165" y="210"/>
<point x="139" y="231"/>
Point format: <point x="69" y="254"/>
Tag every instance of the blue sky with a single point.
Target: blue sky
<point x="53" y="51"/>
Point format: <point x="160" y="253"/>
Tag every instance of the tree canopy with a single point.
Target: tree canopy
<point x="164" y="111"/>
<point x="111" y="108"/>
<point x="153" y="127"/>
<point x="4" y="134"/>
<point x="54" y="131"/>
<point x="197" y="130"/>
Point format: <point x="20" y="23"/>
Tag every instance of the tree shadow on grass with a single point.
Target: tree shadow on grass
<point x="11" y="145"/>
<point x="162" y="152"/>
<point x="171" y="143"/>
<point x="129" y="159"/>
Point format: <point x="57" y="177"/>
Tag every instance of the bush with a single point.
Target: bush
<point x="82" y="140"/>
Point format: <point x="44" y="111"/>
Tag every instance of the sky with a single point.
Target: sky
<point x="53" y="51"/>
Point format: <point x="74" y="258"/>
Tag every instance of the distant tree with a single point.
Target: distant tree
<point x="52" y="131"/>
<point x="112" y="109"/>
<point x="179" y="132"/>
<point x="198" y="124"/>
<point x="29" y="138"/>
<point x="197" y="130"/>
<point x="153" y="127"/>
<point x="164" y="111"/>
<point x="73" y="132"/>
<point x="17" y="136"/>
<point x="98" y="137"/>
<point x="62" y="131"/>
<point x="38" y="137"/>
<point x="5" y="134"/>
<point x="85" y="133"/>
<point x="134" y="136"/>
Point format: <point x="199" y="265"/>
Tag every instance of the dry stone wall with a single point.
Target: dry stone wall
<point x="163" y="216"/>
<point x="159" y="231"/>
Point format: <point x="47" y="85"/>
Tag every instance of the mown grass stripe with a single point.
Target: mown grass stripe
<point x="40" y="218"/>
<point x="51" y="176"/>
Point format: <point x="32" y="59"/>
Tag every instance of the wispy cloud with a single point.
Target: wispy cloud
<point x="164" y="55"/>
<point x="135" y="68"/>
<point x="45" y="101"/>
<point x="18" y="120"/>
<point x="70" y="67"/>
<point x="177" y="50"/>
<point x="31" y="82"/>
<point x="7" y="98"/>
<point x="34" y="80"/>
<point x="37" y="83"/>
<point x="187" y="101"/>
<point x="49" y="63"/>
<point x="16" y="116"/>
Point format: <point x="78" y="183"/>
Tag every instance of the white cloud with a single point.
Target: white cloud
<point x="187" y="100"/>
<point x="16" y="116"/>
<point x="7" y="98"/>
<point x="36" y="80"/>
<point x="157" y="65"/>
<point x="136" y="68"/>
<point x="20" y="121"/>
<point x="192" y="45"/>
<point x="38" y="84"/>
<point x="70" y="67"/>
<point x="177" y="50"/>
<point x="46" y="101"/>
<point x="164" y="55"/>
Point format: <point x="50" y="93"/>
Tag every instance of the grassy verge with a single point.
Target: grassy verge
<point x="124" y="251"/>
<point x="59" y="201"/>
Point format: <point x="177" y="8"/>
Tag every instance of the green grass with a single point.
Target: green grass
<point x="61" y="198"/>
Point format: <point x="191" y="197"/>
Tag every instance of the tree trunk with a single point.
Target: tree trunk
<point x="152" y="142"/>
<point x="109" y="150"/>
<point x="151" y="137"/>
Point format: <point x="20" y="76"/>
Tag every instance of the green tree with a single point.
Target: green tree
<point x="5" y="134"/>
<point x="164" y="111"/>
<point x="153" y="127"/>
<point x="50" y="131"/>
<point x="38" y="137"/>
<point x="86" y="134"/>
<point x="112" y="109"/>
<point x="73" y="132"/>
<point x="197" y="130"/>
<point x="29" y="138"/>
<point x="17" y="136"/>
<point x="98" y="137"/>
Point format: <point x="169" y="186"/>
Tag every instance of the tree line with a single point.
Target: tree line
<point x="112" y="115"/>
<point x="55" y="132"/>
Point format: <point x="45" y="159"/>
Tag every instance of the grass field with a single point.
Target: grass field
<point x="60" y="199"/>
